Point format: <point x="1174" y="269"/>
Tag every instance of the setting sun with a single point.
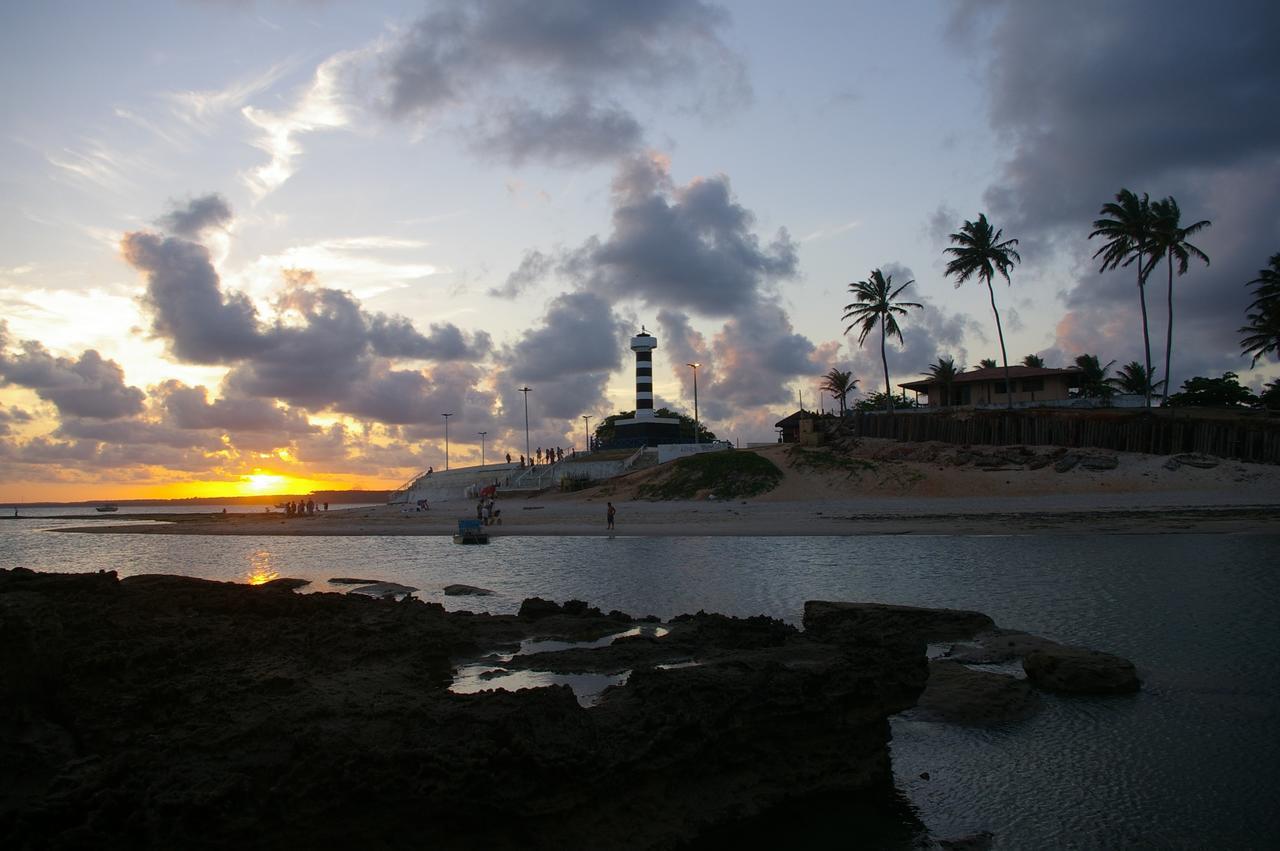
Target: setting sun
<point x="264" y="482"/>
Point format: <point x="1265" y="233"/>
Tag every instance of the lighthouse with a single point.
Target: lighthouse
<point x="645" y="428"/>
<point x="643" y="345"/>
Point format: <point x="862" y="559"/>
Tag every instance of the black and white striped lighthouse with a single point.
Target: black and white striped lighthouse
<point x="645" y="428"/>
<point x="643" y="345"/>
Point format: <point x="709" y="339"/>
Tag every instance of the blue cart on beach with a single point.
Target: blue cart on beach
<point x="471" y="532"/>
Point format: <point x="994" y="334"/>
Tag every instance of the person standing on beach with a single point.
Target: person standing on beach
<point x="612" y="511"/>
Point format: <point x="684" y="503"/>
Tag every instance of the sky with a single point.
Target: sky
<point x="252" y="246"/>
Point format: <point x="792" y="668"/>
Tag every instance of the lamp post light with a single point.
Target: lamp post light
<point x="446" y="439"/>
<point x="586" y="430"/>
<point x="695" y="400"/>
<point x="525" y="390"/>
<point x="482" y="434"/>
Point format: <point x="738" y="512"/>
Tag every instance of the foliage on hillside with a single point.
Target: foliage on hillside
<point x="825" y="460"/>
<point x="727" y="475"/>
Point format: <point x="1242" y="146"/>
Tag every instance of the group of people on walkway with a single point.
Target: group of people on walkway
<point x="541" y="456"/>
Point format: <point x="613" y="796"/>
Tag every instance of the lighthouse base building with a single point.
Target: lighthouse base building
<point x="645" y="429"/>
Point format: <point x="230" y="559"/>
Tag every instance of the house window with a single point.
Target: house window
<point x="1032" y="385"/>
<point x="1000" y="387"/>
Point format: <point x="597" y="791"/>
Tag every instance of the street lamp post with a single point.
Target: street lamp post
<point x="586" y="430"/>
<point x="525" y="390"/>
<point x="446" y="439"/>
<point x="482" y="434"/>
<point x="695" y="400"/>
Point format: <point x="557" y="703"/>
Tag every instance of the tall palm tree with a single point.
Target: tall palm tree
<point x="1094" y="381"/>
<point x="1128" y="232"/>
<point x="1134" y="379"/>
<point x="877" y="304"/>
<point x="987" y="363"/>
<point x="979" y="251"/>
<point x="944" y="372"/>
<point x="839" y="384"/>
<point x="1169" y="239"/>
<point x="1033" y="360"/>
<point x="1263" y="329"/>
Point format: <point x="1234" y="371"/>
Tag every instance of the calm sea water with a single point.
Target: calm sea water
<point x="1190" y="762"/>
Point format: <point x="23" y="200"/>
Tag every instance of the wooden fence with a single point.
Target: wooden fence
<point x="1164" y="432"/>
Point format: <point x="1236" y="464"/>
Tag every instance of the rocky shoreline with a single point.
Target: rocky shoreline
<point x="163" y="711"/>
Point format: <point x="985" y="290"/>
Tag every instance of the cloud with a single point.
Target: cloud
<point x="192" y="218"/>
<point x="567" y="358"/>
<point x="466" y="58"/>
<point x="320" y="107"/>
<point x="534" y="267"/>
<point x="1184" y="109"/>
<point x="190" y="408"/>
<point x="321" y="351"/>
<point x="577" y="132"/>
<point x="88" y="386"/>
<point x="687" y="247"/>
<point x="189" y="311"/>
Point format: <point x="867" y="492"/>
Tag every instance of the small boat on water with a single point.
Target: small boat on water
<point x="471" y="532"/>
<point x="107" y="506"/>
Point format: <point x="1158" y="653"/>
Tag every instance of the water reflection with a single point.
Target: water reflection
<point x="587" y="688"/>
<point x="260" y="570"/>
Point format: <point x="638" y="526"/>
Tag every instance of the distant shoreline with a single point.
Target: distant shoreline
<point x="560" y="518"/>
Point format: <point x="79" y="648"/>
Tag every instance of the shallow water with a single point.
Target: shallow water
<point x="1192" y="761"/>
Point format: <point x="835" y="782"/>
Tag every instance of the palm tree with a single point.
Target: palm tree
<point x="1094" y="382"/>
<point x="1170" y="240"/>
<point x="979" y="251"/>
<point x="987" y="363"/>
<point x="1128" y="232"/>
<point x="1134" y="379"/>
<point x="876" y="303"/>
<point x="1263" y="329"/>
<point x="1033" y="360"/>
<point x="944" y="372"/>
<point x="839" y="384"/>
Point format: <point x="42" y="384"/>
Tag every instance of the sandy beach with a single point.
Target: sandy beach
<point x="882" y="488"/>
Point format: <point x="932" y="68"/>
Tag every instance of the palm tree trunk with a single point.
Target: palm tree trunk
<point x="1008" y="382"/>
<point x="1146" y="337"/>
<point x="884" y="359"/>
<point x="1168" y="339"/>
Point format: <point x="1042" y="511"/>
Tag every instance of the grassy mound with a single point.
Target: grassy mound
<point x="827" y="461"/>
<point x="728" y="475"/>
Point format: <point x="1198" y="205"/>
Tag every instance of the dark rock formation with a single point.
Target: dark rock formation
<point x="836" y="622"/>
<point x="1077" y="670"/>
<point x="963" y="695"/>
<point x="998" y="646"/>
<point x="466" y="590"/>
<point x="161" y="711"/>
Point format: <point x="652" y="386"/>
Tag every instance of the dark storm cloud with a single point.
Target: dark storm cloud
<point x="199" y="322"/>
<point x="567" y="358"/>
<point x="323" y="350"/>
<point x="88" y="386"/>
<point x="395" y="337"/>
<point x="534" y="267"/>
<point x="578" y="132"/>
<point x="684" y="247"/>
<point x="465" y="54"/>
<point x="1168" y="98"/>
<point x="190" y="408"/>
<point x="191" y="218"/>
<point x="1098" y="95"/>
<point x="137" y="433"/>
